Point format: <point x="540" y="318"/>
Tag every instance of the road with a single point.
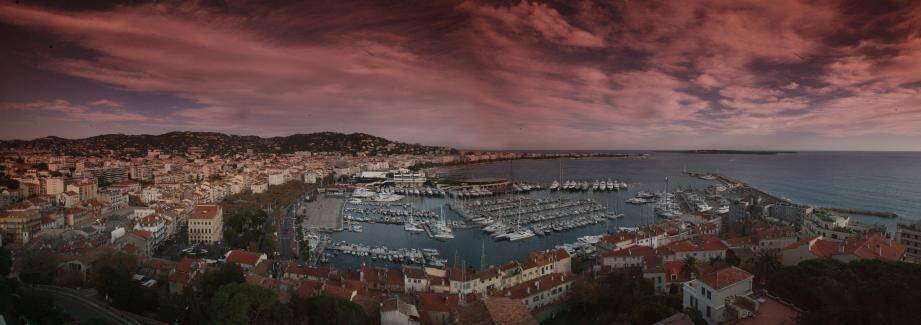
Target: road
<point x="86" y="308"/>
<point x="287" y="246"/>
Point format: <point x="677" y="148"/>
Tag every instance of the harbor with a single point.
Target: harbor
<point x="540" y="215"/>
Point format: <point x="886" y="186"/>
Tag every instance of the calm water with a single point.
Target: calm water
<point x="870" y="181"/>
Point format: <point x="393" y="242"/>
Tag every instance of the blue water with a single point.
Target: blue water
<point x="858" y="180"/>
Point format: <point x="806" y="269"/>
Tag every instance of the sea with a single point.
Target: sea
<point x="877" y="181"/>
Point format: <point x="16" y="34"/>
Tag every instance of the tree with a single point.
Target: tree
<point x="732" y="258"/>
<point x="240" y="303"/>
<point x="327" y="310"/>
<point x="690" y="266"/>
<point x="763" y="265"/>
<point x="38" y="266"/>
<point x="6" y="261"/>
<point x="859" y="292"/>
<point x="113" y="280"/>
<point x="212" y="281"/>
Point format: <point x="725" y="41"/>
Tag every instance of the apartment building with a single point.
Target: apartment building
<point x="206" y="224"/>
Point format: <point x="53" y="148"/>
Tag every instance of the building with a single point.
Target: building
<point x="909" y="234"/>
<point x="107" y="175"/>
<point x="395" y="311"/>
<point x="709" y="292"/>
<point x="415" y="280"/>
<point x="206" y="224"/>
<point x="246" y="260"/>
<point x="86" y="188"/>
<point x="494" y="311"/>
<point x="150" y="195"/>
<point x="540" y="292"/>
<point x="874" y="246"/>
<point x="20" y="222"/>
<point x="407" y="178"/>
<point x="833" y="227"/>
<point x="793" y="214"/>
<point x="137" y="242"/>
<point x="53" y="185"/>
<point x="276" y="179"/>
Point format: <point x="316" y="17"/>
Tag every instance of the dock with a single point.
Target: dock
<point x="729" y="180"/>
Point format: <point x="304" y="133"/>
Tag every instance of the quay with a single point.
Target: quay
<point x="731" y="181"/>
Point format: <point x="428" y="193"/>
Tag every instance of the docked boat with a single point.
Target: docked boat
<point x="387" y="197"/>
<point x="520" y="235"/>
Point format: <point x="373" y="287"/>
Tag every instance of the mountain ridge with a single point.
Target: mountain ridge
<point x="216" y="143"/>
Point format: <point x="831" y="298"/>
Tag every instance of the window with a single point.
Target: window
<point x="703" y="291"/>
<point x="709" y="297"/>
<point x="708" y="311"/>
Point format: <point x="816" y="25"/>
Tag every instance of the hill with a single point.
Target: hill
<point x="212" y="143"/>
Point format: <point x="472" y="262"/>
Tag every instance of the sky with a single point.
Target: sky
<point x="617" y="74"/>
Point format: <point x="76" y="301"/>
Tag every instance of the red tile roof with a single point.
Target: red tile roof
<point x="430" y="301"/>
<point x="206" y="211"/>
<point x="532" y="287"/>
<point x="630" y="251"/>
<point x="723" y="278"/>
<point x="243" y="257"/>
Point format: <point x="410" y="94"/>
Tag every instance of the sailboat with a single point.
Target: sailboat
<point x="411" y="225"/>
<point x="521" y="233"/>
<point x="441" y="230"/>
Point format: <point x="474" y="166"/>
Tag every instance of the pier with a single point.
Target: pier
<point x="728" y="180"/>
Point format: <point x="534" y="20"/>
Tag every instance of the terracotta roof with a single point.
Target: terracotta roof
<point x="205" y="211"/>
<point x="560" y="254"/>
<point x="630" y="251"/>
<point x="394" y="277"/>
<point x="414" y="273"/>
<point x="801" y="242"/>
<point x="495" y="311"/>
<point x="532" y="287"/>
<point x="243" y="257"/>
<point x="186" y="264"/>
<point x="723" y="278"/>
<point x="308" y="288"/>
<point x="430" y="301"/>
<point x="142" y="233"/>
<point x="338" y="292"/>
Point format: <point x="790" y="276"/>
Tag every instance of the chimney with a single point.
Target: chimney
<point x="537" y="284"/>
<point x="879" y="250"/>
<point x="528" y="288"/>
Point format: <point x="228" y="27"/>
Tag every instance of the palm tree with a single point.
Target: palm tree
<point x="764" y="264"/>
<point x="689" y="267"/>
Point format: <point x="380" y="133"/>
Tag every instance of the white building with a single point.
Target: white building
<point x="407" y="178"/>
<point x="415" y="280"/>
<point x="259" y="187"/>
<point x="276" y="179"/>
<point x="53" y="185"/>
<point x="150" y="195"/>
<point x="709" y="291"/>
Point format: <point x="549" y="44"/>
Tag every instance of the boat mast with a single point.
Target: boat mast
<point x="666" y="195"/>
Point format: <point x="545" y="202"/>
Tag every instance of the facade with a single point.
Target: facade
<point x="708" y="293"/>
<point x="909" y="234"/>
<point x="874" y="246"/>
<point x="540" y="292"/>
<point x="20" y="225"/>
<point x="407" y="178"/>
<point x="53" y="185"/>
<point x="206" y="224"/>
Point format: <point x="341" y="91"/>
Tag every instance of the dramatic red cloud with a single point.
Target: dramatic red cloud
<point x="477" y="74"/>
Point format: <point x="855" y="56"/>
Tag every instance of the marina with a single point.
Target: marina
<point x="415" y="220"/>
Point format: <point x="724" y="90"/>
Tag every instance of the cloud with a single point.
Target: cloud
<point x="478" y="74"/>
<point x="90" y="112"/>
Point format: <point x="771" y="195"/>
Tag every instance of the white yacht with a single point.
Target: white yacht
<point x="521" y="235"/>
<point x="387" y="197"/>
